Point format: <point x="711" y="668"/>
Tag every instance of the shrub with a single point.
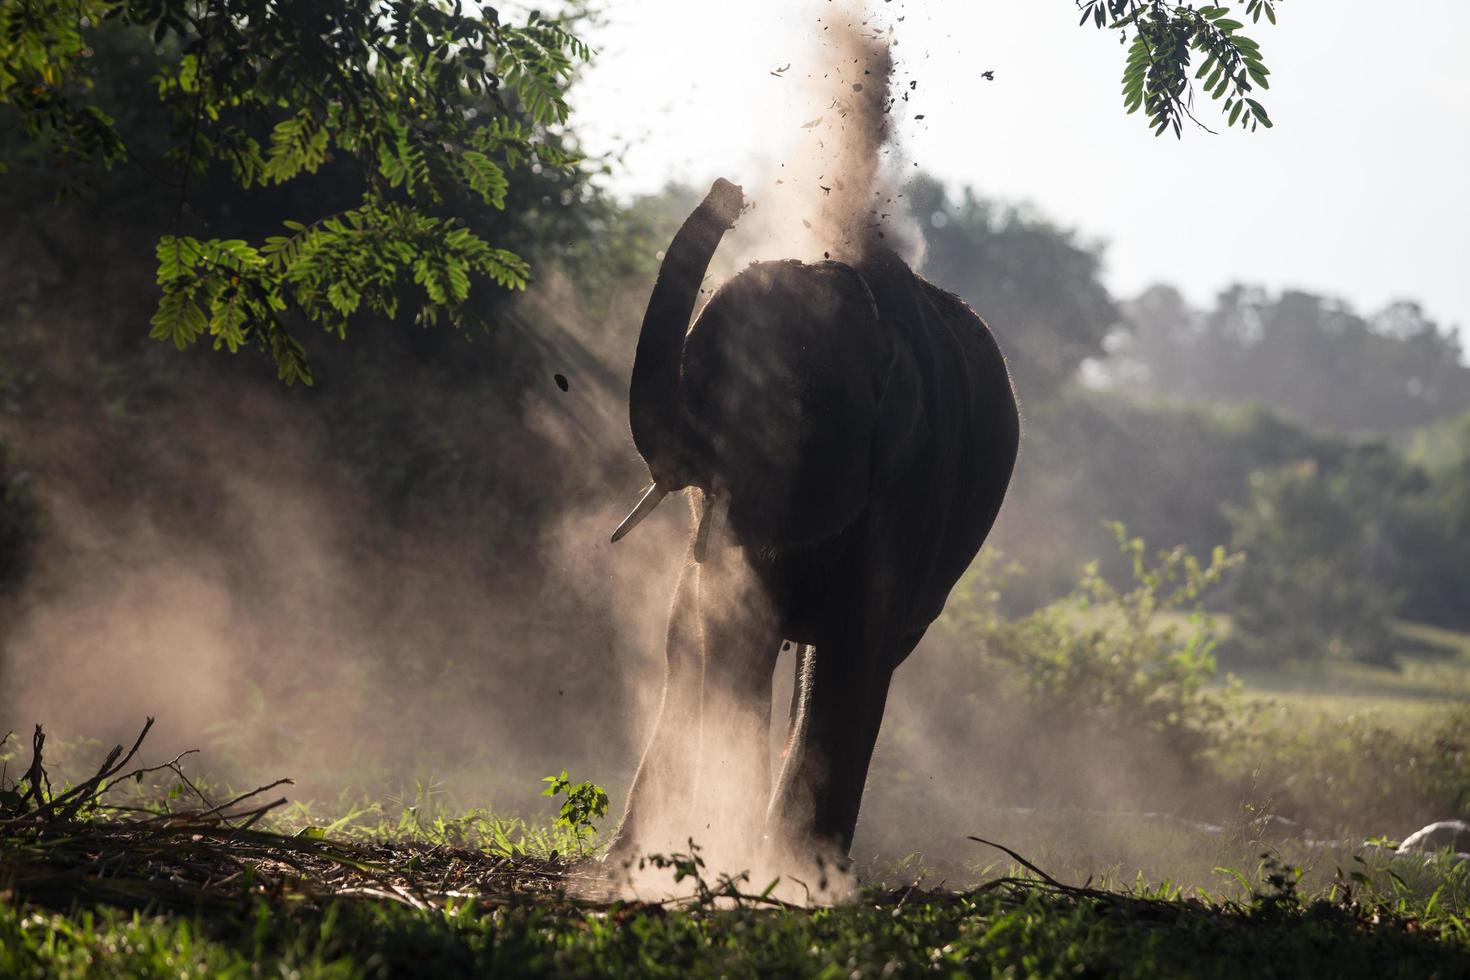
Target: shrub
<point x="1122" y="684"/>
<point x="1108" y="660"/>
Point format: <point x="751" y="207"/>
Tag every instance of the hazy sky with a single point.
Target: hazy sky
<point x="1359" y="191"/>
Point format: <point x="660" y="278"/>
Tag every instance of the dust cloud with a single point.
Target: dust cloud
<point x="235" y="561"/>
<point x="225" y="569"/>
<point x="832" y="192"/>
<point x="834" y="189"/>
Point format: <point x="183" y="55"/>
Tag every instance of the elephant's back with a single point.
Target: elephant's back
<point x="959" y="480"/>
<point x="779" y="371"/>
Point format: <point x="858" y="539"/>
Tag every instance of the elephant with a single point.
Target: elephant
<point x="846" y="433"/>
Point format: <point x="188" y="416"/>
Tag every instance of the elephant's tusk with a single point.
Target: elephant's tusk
<point x="642" y="509"/>
<point x="711" y="526"/>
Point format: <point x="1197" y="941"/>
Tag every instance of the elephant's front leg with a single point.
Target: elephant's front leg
<point x="815" y="807"/>
<point x="742" y="641"/>
<point x="663" y="788"/>
<point x="844" y="691"/>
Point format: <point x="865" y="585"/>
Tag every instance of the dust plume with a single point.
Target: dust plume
<point x="834" y="189"/>
<point x="352" y="588"/>
<point x="955" y="758"/>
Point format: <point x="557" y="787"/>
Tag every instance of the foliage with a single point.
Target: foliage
<point x="1121" y="684"/>
<point x="1349" y="773"/>
<point x="1313" y="587"/>
<point x="430" y="104"/>
<point x="1165" y="39"/>
<point x="1374" y="928"/>
<point x="1443" y="447"/>
<point x="584" y="803"/>
<point x="1446" y="762"/>
<point x="431" y="819"/>
<point x="1296" y="352"/>
<point x="1182" y="471"/>
<point x="1106" y="659"/>
<point x="725" y="891"/>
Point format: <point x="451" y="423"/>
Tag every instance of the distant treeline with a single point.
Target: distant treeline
<point x="1311" y="356"/>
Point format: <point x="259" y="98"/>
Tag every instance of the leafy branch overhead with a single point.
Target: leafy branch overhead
<point x="427" y="105"/>
<point x="1163" y="41"/>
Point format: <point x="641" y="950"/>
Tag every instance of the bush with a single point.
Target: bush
<point x="1351" y="775"/>
<point x="1117" y="701"/>
<point x="1139" y="661"/>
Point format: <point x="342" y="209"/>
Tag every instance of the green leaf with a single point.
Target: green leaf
<point x="297" y="144"/>
<point x="170" y="259"/>
<point x="343" y="297"/>
<point x="484" y="177"/>
<point x="178" y="319"/>
<point x="228" y="315"/>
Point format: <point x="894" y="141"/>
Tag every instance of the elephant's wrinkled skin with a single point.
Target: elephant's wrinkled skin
<point x="858" y="426"/>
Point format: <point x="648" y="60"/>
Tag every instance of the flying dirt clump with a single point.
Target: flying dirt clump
<point x="834" y="191"/>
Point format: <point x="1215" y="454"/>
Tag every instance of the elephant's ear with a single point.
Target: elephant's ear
<point x="901" y="421"/>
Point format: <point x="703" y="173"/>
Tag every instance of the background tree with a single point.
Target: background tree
<point x="1313" y="585"/>
<point x="1035" y="284"/>
<point x="1297" y="352"/>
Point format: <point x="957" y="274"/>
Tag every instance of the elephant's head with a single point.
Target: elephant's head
<point x="787" y="404"/>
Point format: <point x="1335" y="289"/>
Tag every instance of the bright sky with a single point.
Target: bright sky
<point x="1359" y="191"/>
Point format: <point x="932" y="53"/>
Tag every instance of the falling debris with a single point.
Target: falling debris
<point x="846" y="90"/>
<point x="561" y="381"/>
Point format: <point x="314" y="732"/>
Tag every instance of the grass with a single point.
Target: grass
<point x="1017" y="929"/>
<point x="1432" y="669"/>
<point x="1432" y="672"/>
<point x="170" y="886"/>
<point x="178" y="887"/>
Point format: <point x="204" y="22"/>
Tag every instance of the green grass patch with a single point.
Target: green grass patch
<point x="1432" y="673"/>
<point x="170" y="884"/>
<point x="1012" y="929"/>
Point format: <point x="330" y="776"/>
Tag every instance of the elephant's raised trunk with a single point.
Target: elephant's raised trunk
<point x="659" y="428"/>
